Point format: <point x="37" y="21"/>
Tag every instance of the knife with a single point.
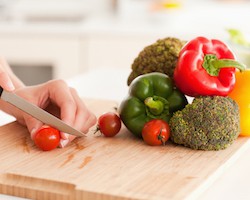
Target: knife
<point x="38" y="113"/>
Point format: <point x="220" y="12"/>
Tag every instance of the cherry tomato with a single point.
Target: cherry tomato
<point x="109" y="124"/>
<point x="47" y="138"/>
<point x="156" y="132"/>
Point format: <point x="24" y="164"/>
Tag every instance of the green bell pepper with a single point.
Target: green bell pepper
<point x="151" y="96"/>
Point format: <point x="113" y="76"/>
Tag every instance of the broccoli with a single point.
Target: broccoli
<point x="160" y="56"/>
<point x="208" y="123"/>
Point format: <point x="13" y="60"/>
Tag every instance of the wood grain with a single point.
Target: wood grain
<point x="95" y="167"/>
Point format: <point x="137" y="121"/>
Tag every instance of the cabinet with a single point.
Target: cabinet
<point x="61" y="53"/>
<point x="68" y="56"/>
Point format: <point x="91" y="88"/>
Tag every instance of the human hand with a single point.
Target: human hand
<point x="58" y="99"/>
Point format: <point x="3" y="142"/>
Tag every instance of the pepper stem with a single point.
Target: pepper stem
<point x="213" y="65"/>
<point x="156" y="107"/>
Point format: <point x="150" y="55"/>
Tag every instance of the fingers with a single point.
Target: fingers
<point x="37" y="96"/>
<point x="84" y="119"/>
<point x="60" y="94"/>
<point x="32" y="124"/>
<point x="73" y="111"/>
<point x="5" y="81"/>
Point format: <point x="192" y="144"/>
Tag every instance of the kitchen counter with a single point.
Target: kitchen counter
<point x="81" y="42"/>
<point x="233" y="181"/>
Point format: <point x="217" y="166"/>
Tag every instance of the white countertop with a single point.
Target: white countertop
<point x="233" y="182"/>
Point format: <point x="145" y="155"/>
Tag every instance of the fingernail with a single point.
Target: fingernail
<point x="10" y="86"/>
<point x="32" y="133"/>
<point x="65" y="136"/>
<point x="63" y="143"/>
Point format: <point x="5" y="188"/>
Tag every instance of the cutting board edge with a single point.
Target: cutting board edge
<point x="39" y="189"/>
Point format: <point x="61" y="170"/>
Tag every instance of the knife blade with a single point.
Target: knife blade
<point x="38" y="113"/>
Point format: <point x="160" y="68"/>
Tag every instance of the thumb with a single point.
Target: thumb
<point x="33" y="125"/>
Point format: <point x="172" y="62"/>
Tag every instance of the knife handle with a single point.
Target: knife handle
<point x="1" y="90"/>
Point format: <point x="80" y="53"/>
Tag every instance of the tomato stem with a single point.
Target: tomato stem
<point x="162" y="138"/>
<point x="97" y="130"/>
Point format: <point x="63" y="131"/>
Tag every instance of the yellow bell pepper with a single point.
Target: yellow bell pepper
<point x="241" y="94"/>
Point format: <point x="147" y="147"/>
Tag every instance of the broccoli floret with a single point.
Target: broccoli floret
<point x="160" y="56"/>
<point x="209" y="123"/>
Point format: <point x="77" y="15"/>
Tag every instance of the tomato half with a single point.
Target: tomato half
<point x="156" y="132"/>
<point x="47" y="138"/>
<point x="109" y="124"/>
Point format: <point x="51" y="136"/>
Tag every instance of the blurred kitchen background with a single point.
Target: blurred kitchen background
<point x="46" y="39"/>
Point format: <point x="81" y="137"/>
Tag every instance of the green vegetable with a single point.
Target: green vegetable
<point x="151" y="96"/>
<point x="209" y="123"/>
<point x="160" y="56"/>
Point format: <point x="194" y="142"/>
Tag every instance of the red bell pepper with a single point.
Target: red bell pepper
<point x="206" y="67"/>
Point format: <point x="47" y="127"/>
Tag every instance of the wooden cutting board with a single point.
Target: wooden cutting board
<point x="95" y="167"/>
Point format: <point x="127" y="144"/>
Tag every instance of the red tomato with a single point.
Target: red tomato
<point x="109" y="124"/>
<point x="47" y="138"/>
<point x="156" y="132"/>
